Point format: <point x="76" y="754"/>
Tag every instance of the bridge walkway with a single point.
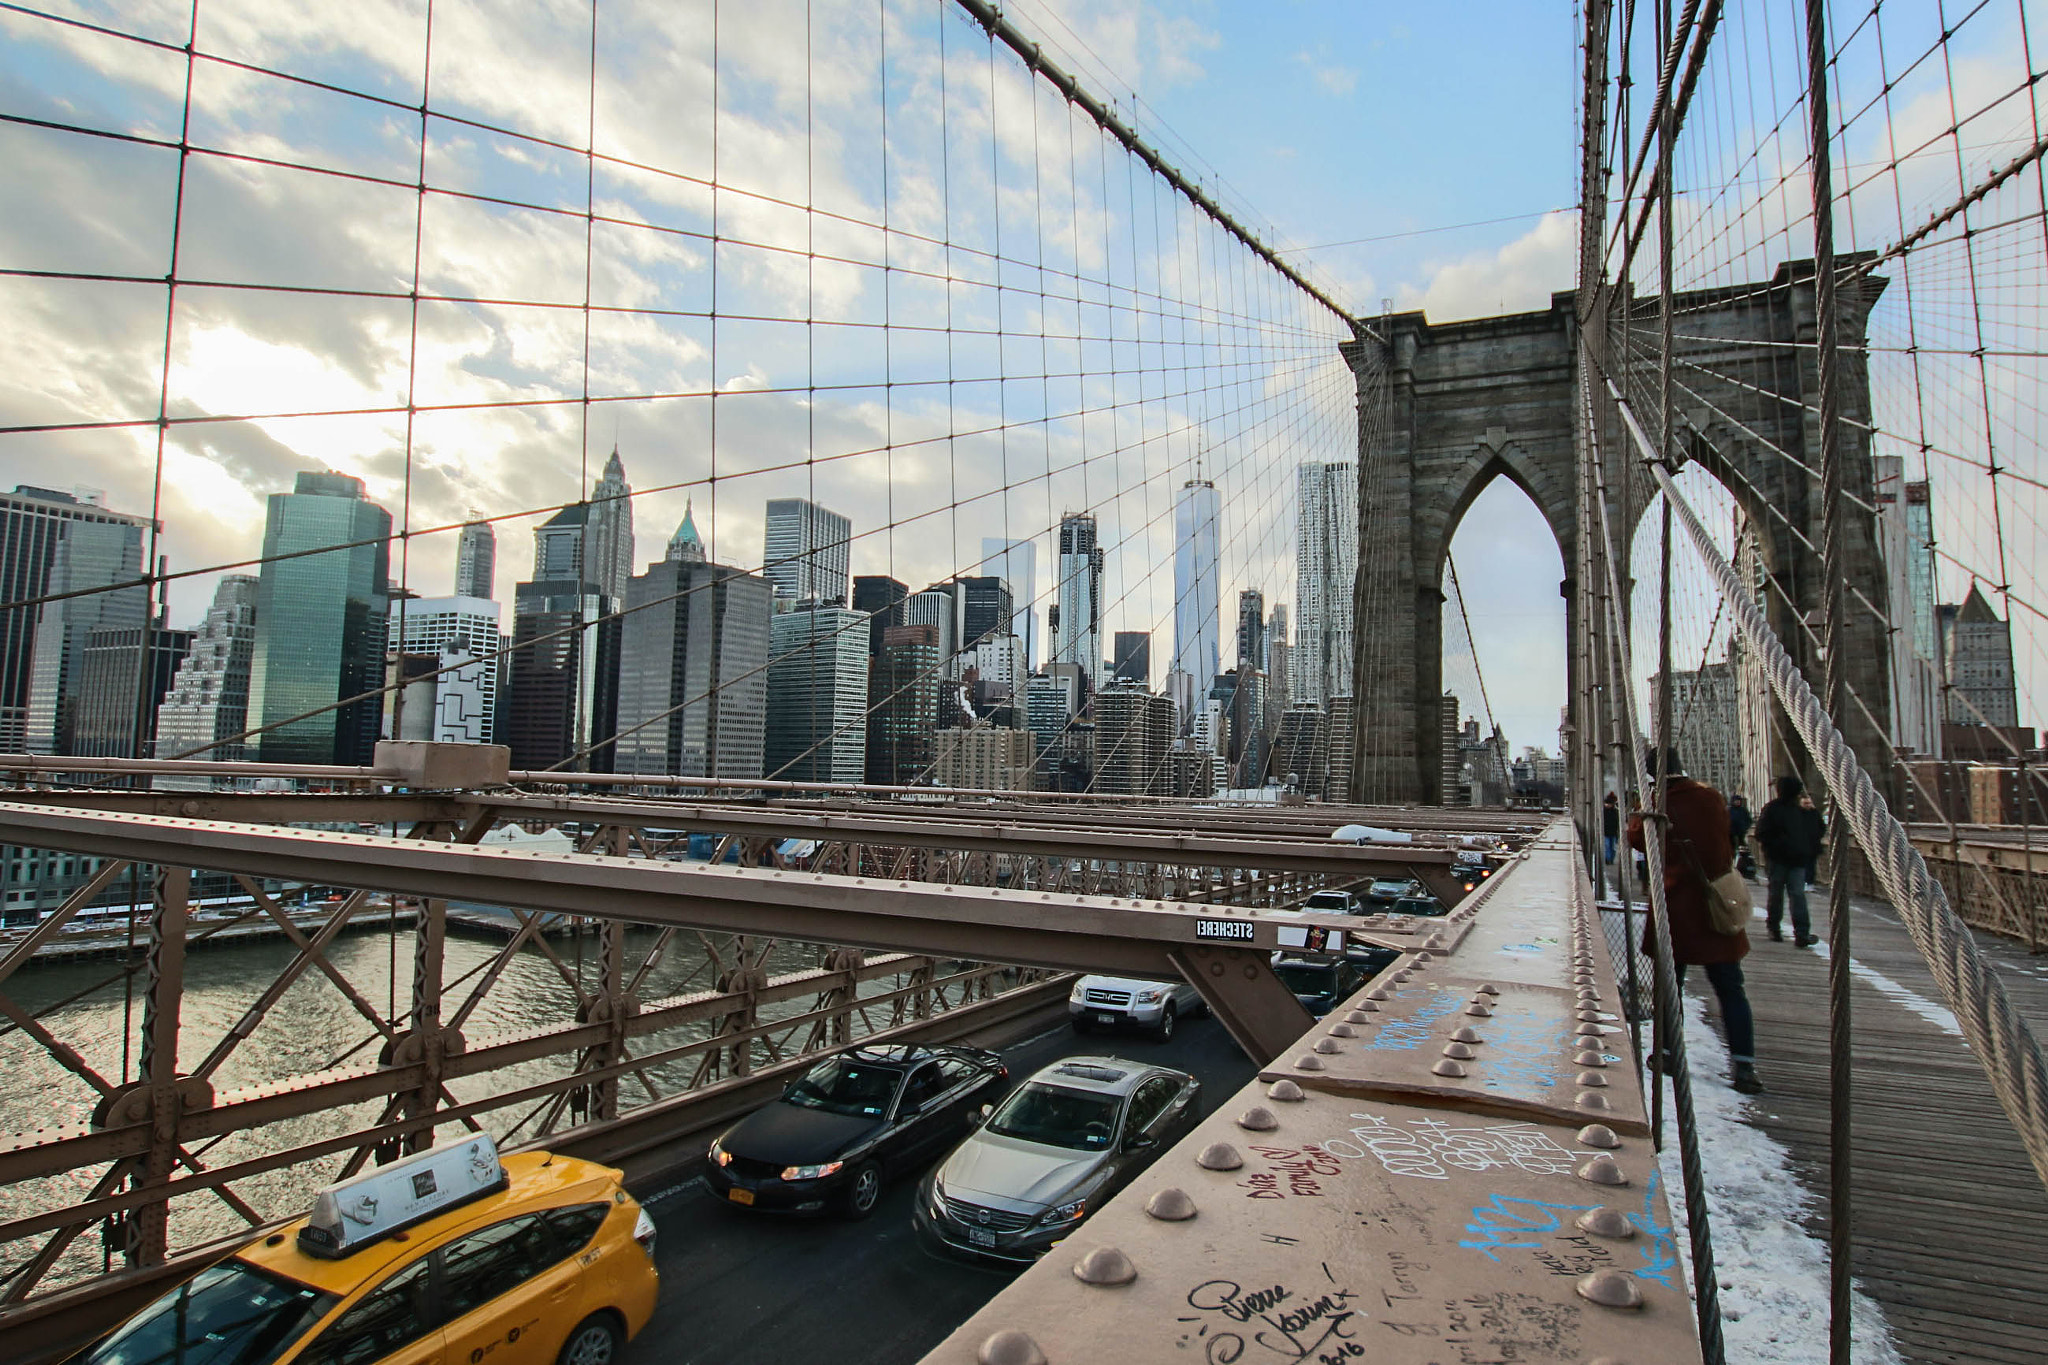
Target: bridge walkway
<point x="1951" y="1219"/>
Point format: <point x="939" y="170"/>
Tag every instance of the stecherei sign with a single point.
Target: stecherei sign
<point x="1240" y="930"/>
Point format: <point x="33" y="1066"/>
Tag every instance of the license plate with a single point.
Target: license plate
<point x="1105" y="1018"/>
<point x="981" y="1237"/>
<point x="740" y="1196"/>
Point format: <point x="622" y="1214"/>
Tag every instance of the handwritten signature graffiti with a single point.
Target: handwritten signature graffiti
<point x="1509" y="1224"/>
<point x="1281" y="1320"/>
<point x="1430" y="1149"/>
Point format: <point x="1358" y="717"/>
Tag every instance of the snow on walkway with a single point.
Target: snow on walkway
<point x="1774" y="1275"/>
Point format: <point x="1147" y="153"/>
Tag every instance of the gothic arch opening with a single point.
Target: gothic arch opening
<point x="1503" y="657"/>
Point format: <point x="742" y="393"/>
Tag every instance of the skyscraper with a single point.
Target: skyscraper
<point x="558" y="546"/>
<point x="817" y="694"/>
<point x="476" y="561"/>
<point x="1017" y="562"/>
<point x="693" y="654"/>
<point x="461" y="706"/>
<point x="89" y="553"/>
<point x="903" y="701"/>
<point x="985" y="609"/>
<point x="1977" y="663"/>
<point x="1195" y="600"/>
<point x="209" y="697"/>
<point x="806" y="551"/>
<point x="104" y="720"/>
<point x="562" y="688"/>
<point x="320" y="629"/>
<point x="938" y="607"/>
<point x="1132" y="657"/>
<point x="1326" y="561"/>
<point x="1251" y="630"/>
<point x="1078" y="636"/>
<point x="881" y="597"/>
<point x="608" y="532"/>
<point x="1133" y="731"/>
<point x="33" y="522"/>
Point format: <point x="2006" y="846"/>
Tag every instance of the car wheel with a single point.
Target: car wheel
<point x="1163" y="1030"/>
<point x="863" y="1191"/>
<point x="596" y="1341"/>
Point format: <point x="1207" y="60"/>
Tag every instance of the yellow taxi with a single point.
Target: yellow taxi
<point x="449" y="1257"/>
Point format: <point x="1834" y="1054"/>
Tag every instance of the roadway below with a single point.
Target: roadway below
<point x="738" y="1287"/>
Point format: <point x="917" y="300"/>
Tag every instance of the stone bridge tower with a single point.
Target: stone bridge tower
<point x="1446" y="409"/>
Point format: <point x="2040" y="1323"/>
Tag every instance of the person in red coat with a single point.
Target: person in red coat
<point x="1697" y="850"/>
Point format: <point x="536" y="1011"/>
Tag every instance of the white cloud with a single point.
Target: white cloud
<point x="1334" y="78"/>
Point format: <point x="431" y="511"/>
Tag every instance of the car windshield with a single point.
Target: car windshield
<point x="228" y="1314"/>
<point x="1327" y="899"/>
<point x="1389" y="888"/>
<point x="1057" y="1117"/>
<point x="1306" y="978"/>
<point x="844" y="1086"/>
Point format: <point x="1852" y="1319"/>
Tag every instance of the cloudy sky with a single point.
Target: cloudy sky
<point x="988" y="315"/>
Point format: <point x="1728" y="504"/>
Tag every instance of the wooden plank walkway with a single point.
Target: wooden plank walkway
<point x="1951" y="1219"/>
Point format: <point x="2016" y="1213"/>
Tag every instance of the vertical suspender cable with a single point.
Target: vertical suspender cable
<point x="1706" y="1285"/>
<point x="1835" y="682"/>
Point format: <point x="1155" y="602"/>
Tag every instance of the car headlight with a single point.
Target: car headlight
<point x="811" y="1172"/>
<point x="1076" y="993"/>
<point x="1065" y="1213"/>
<point x="1151" y="997"/>
<point x="719" y="1154"/>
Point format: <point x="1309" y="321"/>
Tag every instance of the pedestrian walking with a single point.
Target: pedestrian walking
<point x="1610" y="826"/>
<point x="1739" y="821"/>
<point x="1789" y="831"/>
<point x="1697" y="850"/>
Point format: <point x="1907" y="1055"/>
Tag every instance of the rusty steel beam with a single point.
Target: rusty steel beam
<point x="1035" y="929"/>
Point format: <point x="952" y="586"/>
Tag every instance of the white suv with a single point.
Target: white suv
<point x="1124" y="1002"/>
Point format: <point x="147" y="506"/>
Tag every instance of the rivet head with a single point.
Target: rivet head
<point x="1488" y="988"/>
<point x="1422" y="957"/>
<point x="1284" y="1090"/>
<point x="1598" y="1135"/>
<point x="1258" y="1119"/>
<point x="1400" y="977"/>
<point x="1365" y="1007"/>
<point x="1171" y="1205"/>
<point x="1467" y="1034"/>
<point x="1589" y="1058"/>
<point x="1592" y="1080"/>
<point x="1611" y="1289"/>
<point x="1606" y="1222"/>
<point x="1587" y="1030"/>
<point x="1479" y="1011"/>
<point x="1459" y="1051"/>
<point x="1379" y="993"/>
<point x="1105" y="1266"/>
<point x="1447" y="1067"/>
<point x="1437" y="942"/>
<point x="1343" y="1031"/>
<point x="1326" y="1046"/>
<point x="1601" y="1170"/>
<point x="1591" y="1099"/>
<point x="1219" y="1156"/>
<point x="1308" y="1061"/>
<point x="1589" y="1016"/>
<point x="1010" y="1347"/>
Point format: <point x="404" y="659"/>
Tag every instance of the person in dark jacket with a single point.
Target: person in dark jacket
<point x="1789" y="831"/>
<point x="1696" y="850"/>
<point x="1739" y="821"/>
<point x="1610" y="825"/>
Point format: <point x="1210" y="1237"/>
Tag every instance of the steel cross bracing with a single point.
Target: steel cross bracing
<point x="983" y="885"/>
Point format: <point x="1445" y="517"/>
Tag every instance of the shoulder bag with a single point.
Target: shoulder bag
<point x="1729" y="908"/>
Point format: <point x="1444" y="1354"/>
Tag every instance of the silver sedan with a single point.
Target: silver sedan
<point x="1056" y="1150"/>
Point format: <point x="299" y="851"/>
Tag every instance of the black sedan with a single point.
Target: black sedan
<point x="851" y="1122"/>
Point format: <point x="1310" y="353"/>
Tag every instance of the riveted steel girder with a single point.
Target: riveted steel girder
<point x="1029" y="928"/>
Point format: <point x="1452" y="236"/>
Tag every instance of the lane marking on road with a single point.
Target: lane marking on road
<point x="694" y="1183"/>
